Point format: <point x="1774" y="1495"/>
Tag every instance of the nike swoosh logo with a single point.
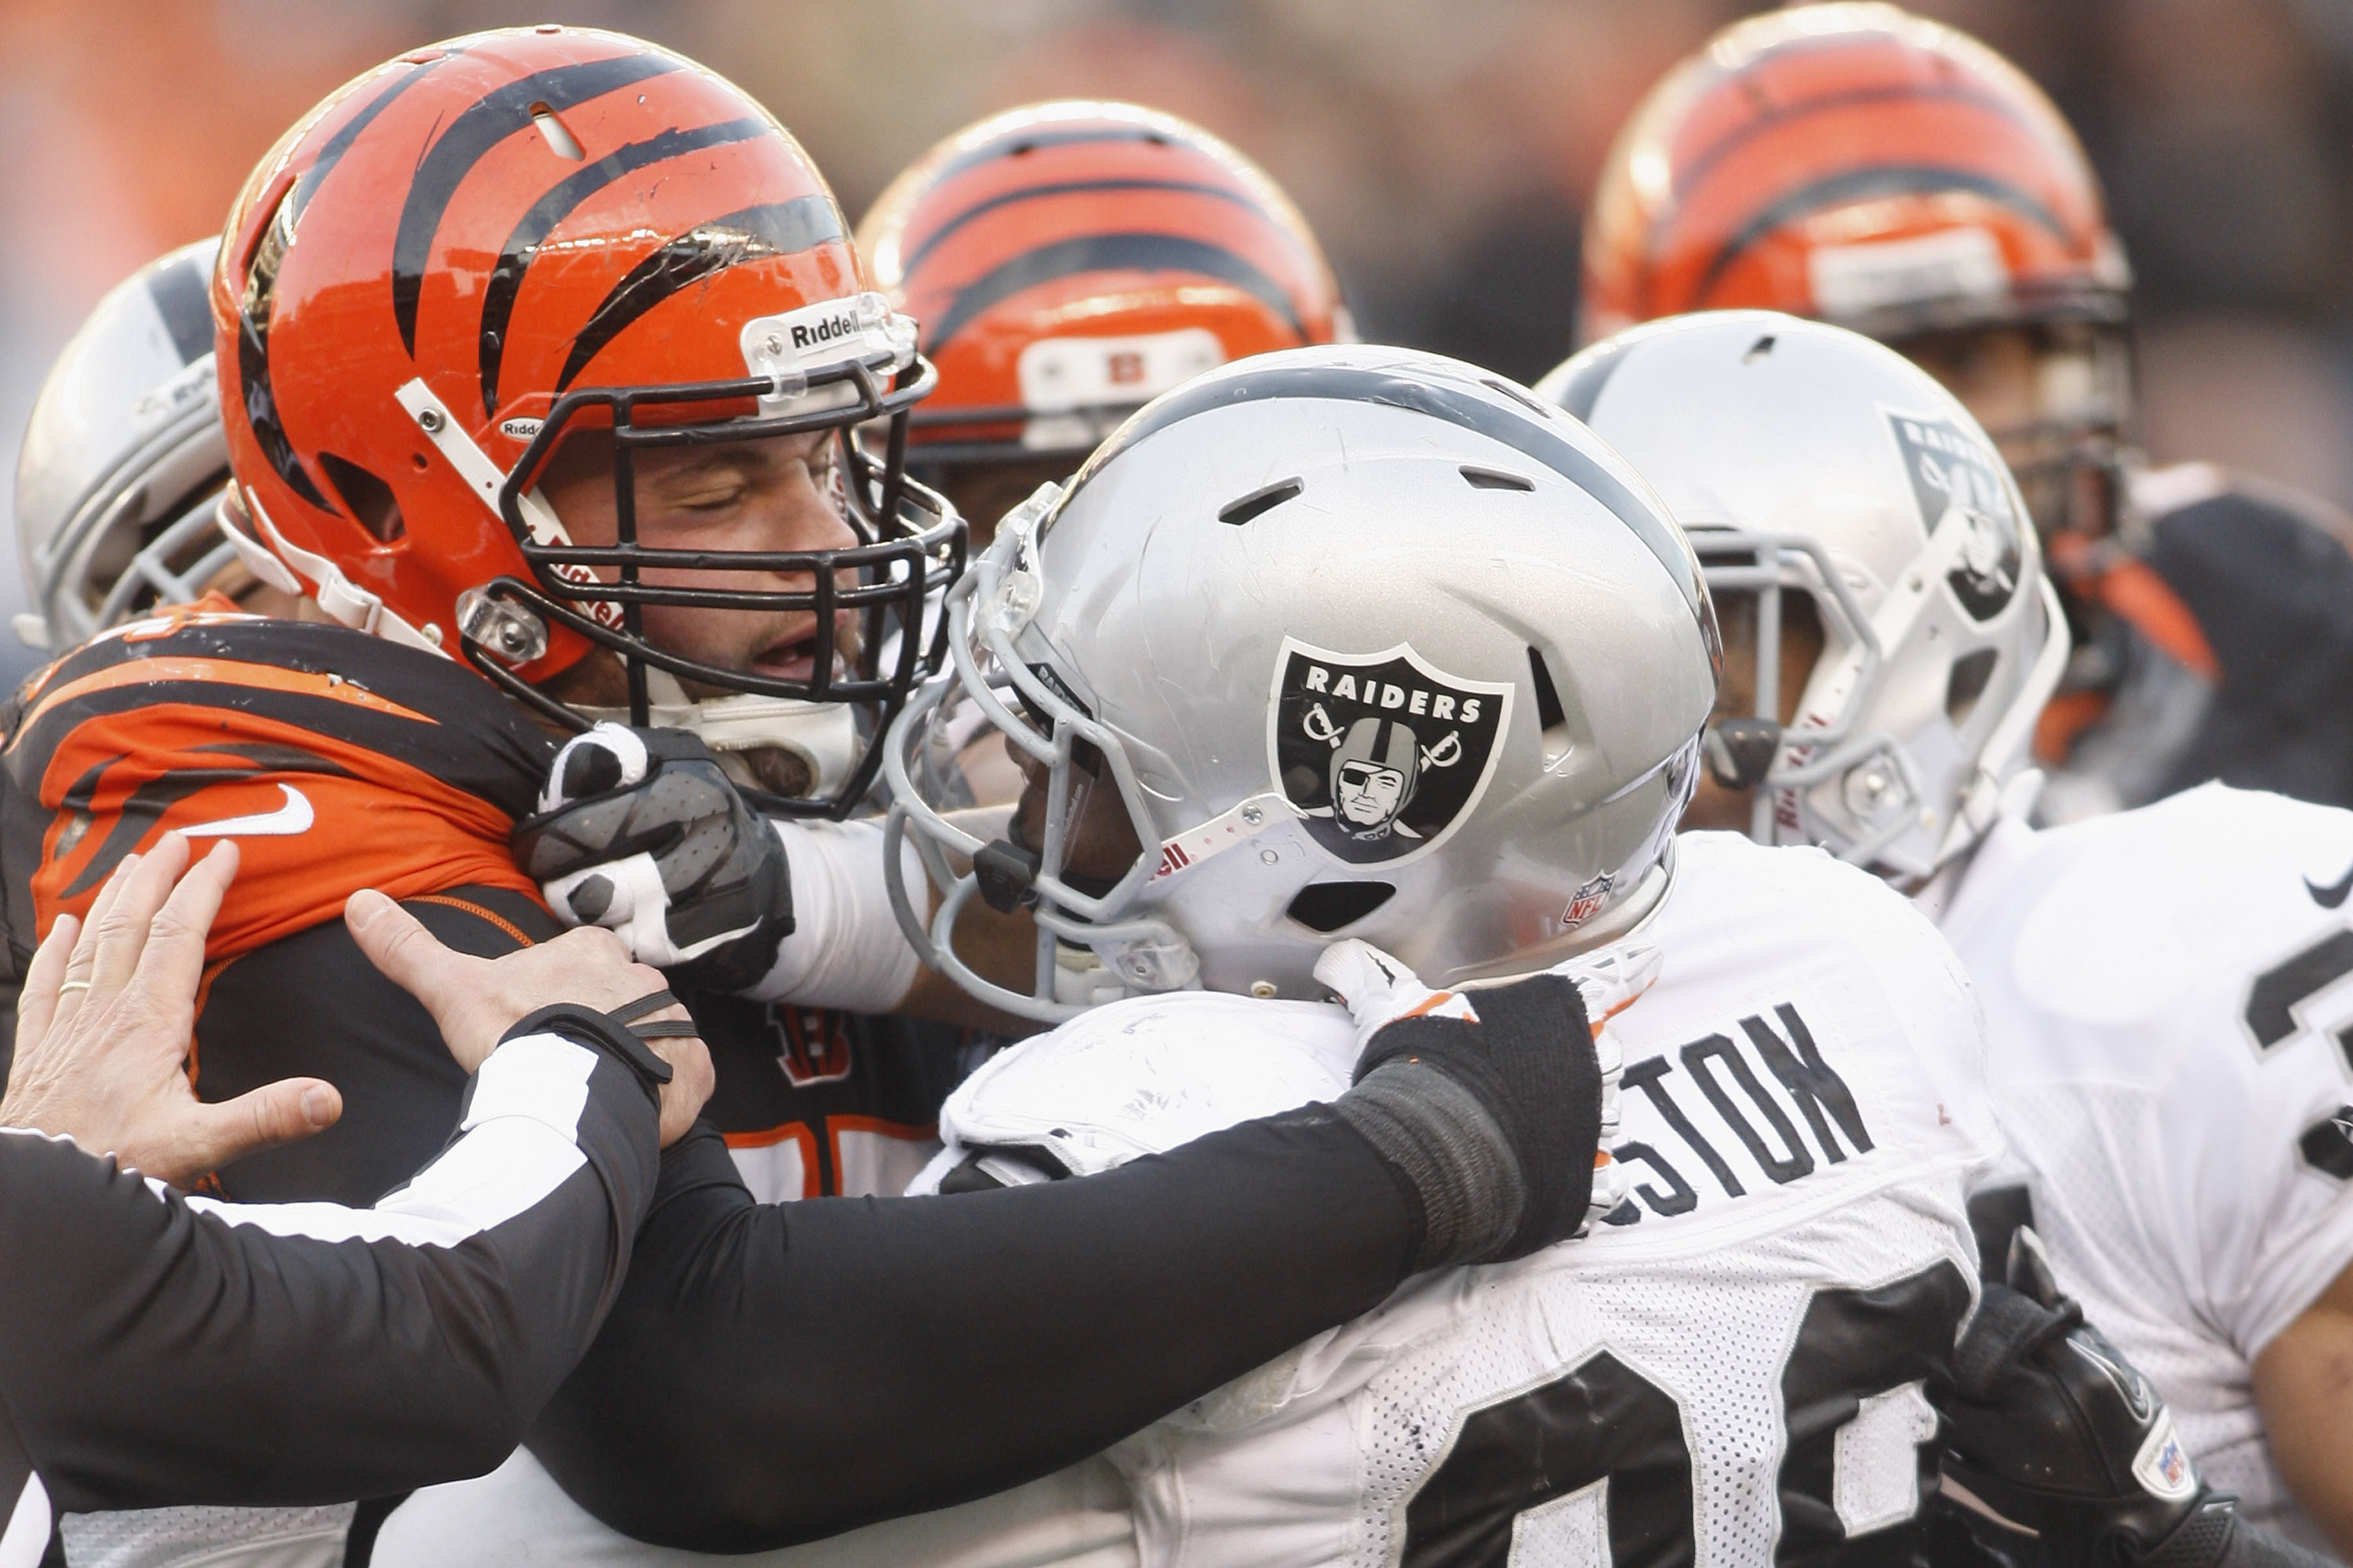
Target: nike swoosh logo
<point x="294" y="817"/>
<point x="2330" y="897"/>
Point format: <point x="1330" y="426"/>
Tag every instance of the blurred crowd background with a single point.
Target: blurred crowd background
<point x="1444" y="150"/>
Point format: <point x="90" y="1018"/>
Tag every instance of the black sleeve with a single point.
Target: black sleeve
<point x="311" y="1005"/>
<point x="775" y="1373"/>
<point x="24" y="1520"/>
<point x="165" y="1352"/>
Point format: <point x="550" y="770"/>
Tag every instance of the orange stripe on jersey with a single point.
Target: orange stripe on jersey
<point x="794" y="1132"/>
<point x="2133" y="590"/>
<point x="216" y="672"/>
<point x="2064" y="717"/>
<point x="316" y="818"/>
<point x="487" y="915"/>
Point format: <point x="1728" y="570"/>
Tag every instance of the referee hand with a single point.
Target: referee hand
<point x="475" y="1001"/>
<point x="106" y="1017"/>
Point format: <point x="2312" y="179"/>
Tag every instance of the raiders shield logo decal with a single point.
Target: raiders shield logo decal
<point x="1382" y="753"/>
<point x="1950" y="468"/>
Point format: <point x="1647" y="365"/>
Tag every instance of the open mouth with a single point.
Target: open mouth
<point x="794" y="658"/>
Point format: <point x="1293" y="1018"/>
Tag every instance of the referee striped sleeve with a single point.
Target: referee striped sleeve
<point x="160" y="1351"/>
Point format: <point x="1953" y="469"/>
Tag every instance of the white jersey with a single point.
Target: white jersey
<point x="1739" y="1363"/>
<point x="2168" y="997"/>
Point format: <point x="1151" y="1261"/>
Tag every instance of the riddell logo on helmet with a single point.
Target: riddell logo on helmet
<point x="836" y="328"/>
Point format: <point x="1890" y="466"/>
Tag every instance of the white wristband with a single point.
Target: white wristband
<point x="846" y="949"/>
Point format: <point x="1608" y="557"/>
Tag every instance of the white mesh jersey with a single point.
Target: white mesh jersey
<point x="1734" y="1372"/>
<point x="2168" y="997"/>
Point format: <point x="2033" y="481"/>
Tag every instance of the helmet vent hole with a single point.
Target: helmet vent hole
<point x="1550" y="716"/>
<point x="1758" y="350"/>
<point x="1259" y="502"/>
<point x="370" y="499"/>
<point x="1972" y="672"/>
<point x="1326" y="906"/>
<point x="555" y="133"/>
<point x="1495" y="479"/>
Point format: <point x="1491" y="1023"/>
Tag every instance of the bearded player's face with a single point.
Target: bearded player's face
<point x="772" y="495"/>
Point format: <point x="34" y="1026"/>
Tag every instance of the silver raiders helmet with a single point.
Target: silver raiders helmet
<point x="1804" y="459"/>
<point x="1369" y="642"/>
<point x="123" y="460"/>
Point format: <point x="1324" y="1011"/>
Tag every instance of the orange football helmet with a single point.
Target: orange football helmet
<point x="1069" y="261"/>
<point x="486" y="245"/>
<point x="1862" y="165"/>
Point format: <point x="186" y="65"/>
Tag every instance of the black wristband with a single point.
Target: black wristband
<point x="586" y="1026"/>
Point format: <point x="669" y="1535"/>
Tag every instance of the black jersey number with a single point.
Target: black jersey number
<point x="2278" y="991"/>
<point x="2273" y="998"/>
<point x="1603" y="1420"/>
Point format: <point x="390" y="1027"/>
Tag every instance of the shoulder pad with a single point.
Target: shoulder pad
<point x="337" y="760"/>
<point x="1143" y="1075"/>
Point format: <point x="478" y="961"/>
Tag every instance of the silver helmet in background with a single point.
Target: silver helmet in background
<point x="1803" y="459"/>
<point x="1370" y="643"/>
<point x="123" y="460"/>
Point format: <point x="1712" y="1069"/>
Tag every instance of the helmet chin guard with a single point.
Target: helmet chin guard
<point x="991" y="605"/>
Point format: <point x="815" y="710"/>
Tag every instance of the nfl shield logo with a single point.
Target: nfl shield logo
<point x="2162" y="1466"/>
<point x="1586" y="903"/>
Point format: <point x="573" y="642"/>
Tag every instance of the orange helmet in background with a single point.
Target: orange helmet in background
<point x="486" y="245"/>
<point x="1859" y="165"/>
<point x="1068" y="261"/>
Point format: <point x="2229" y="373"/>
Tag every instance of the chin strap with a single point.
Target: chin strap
<point x="336" y="594"/>
<point x="822" y="735"/>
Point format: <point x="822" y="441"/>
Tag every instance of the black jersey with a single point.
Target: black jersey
<point x="2273" y="592"/>
<point x="342" y="761"/>
<point x="2217" y="646"/>
<point x="770" y="1372"/>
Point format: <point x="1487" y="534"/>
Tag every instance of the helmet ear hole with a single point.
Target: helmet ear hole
<point x="1972" y="672"/>
<point x="1326" y="906"/>
<point x="370" y="499"/>
<point x="1550" y="716"/>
